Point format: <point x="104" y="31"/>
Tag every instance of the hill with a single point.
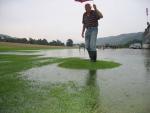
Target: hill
<point x="2" y="36"/>
<point x="122" y="39"/>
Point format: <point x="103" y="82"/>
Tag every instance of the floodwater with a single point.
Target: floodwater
<point x="125" y="89"/>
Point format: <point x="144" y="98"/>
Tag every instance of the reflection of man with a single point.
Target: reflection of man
<point x="91" y="80"/>
<point x="90" y="23"/>
<point x="93" y="92"/>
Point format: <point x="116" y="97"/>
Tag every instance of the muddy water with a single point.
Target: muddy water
<point x="122" y="90"/>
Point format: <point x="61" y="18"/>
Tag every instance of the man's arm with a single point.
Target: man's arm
<point x="83" y="30"/>
<point x="97" y="11"/>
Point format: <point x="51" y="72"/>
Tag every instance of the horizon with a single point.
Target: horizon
<point x="73" y="40"/>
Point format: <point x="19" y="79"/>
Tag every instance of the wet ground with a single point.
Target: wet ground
<point x="125" y="89"/>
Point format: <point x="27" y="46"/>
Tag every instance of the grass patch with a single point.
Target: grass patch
<point x="77" y="63"/>
<point x="8" y="46"/>
<point x="16" y="63"/>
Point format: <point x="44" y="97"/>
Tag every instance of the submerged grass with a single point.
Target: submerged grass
<point x="18" y="95"/>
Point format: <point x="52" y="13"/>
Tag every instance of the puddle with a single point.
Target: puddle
<point x="54" y="74"/>
<point x="21" y="53"/>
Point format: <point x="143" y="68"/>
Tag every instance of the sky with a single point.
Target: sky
<point x="62" y="19"/>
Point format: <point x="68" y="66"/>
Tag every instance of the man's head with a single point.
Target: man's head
<point x="88" y="7"/>
<point x="148" y="23"/>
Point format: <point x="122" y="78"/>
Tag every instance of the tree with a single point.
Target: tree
<point x="56" y="43"/>
<point x="69" y="42"/>
<point x="31" y="41"/>
<point x="6" y="38"/>
<point x="44" y="42"/>
<point x="59" y="43"/>
<point x="53" y="43"/>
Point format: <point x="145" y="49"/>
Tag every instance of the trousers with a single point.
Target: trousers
<point x="91" y="38"/>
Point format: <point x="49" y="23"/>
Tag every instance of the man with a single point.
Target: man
<point x="90" y="23"/>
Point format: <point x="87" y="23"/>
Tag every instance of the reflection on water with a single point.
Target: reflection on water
<point x="54" y="74"/>
<point x="122" y="90"/>
<point x="91" y="80"/>
<point x="53" y="53"/>
<point x="91" y="83"/>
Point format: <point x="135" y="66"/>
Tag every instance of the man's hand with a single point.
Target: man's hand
<point x="98" y="12"/>
<point x="94" y="6"/>
<point x="83" y="30"/>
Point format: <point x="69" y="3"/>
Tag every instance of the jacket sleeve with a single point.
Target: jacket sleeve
<point x="98" y="14"/>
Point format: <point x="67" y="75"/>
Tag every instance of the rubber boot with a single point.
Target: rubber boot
<point x="94" y="56"/>
<point x="90" y="54"/>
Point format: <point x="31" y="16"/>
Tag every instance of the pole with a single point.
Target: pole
<point x="147" y="13"/>
<point x="93" y="1"/>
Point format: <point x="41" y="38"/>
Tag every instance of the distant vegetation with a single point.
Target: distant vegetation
<point x="9" y="46"/>
<point x="69" y="42"/>
<point x="6" y="38"/>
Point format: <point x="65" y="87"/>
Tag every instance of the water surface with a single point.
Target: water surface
<point x="125" y="89"/>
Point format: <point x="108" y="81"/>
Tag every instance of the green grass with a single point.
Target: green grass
<point x="8" y="46"/>
<point x="77" y="63"/>
<point x="18" y="95"/>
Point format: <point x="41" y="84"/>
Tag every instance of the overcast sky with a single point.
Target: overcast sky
<point x="62" y="19"/>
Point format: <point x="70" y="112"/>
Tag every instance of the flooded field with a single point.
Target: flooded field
<point x="125" y="89"/>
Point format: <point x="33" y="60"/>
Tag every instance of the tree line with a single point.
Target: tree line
<point x="6" y="38"/>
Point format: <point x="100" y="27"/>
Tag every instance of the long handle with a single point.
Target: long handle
<point x="147" y="13"/>
<point x="93" y="2"/>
